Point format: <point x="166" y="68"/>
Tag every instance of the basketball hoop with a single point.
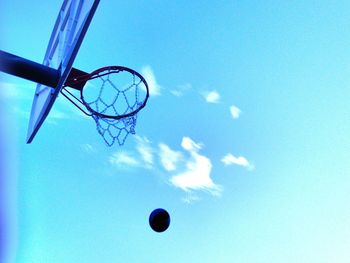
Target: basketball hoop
<point x="112" y="96"/>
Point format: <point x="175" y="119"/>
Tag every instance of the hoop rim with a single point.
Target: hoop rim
<point x="96" y="74"/>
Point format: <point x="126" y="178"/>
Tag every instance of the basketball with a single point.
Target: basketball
<point x="159" y="220"/>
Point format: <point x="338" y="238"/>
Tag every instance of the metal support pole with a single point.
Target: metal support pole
<point x="30" y="70"/>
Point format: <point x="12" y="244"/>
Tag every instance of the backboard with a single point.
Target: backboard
<point x="71" y="25"/>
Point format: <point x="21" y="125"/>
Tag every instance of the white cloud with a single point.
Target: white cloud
<point x="88" y="148"/>
<point x="16" y="91"/>
<point x="230" y="159"/>
<point x="142" y="158"/>
<point x="26" y="92"/>
<point x="56" y="115"/>
<point x="181" y="89"/>
<point x="8" y="90"/>
<point x="235" y="112"/>
<point x="190" y="198"/>
<point x="64" y="105"/>
<point x="168" y="157"/>
<point x="154" y="87"/>
<point x="197" y="173"/>
<point x="145" y="150"/>
<point x="123" y="158"/>
<point x="189" y="145"/>
<point x="21" y="113"/>
<point x="212" y="96"/>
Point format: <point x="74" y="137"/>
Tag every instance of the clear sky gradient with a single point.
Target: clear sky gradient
<point x="245" y="139"/>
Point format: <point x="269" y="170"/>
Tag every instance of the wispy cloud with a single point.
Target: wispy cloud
<point x="143" y="157"/>
<point x="235" y="112"/>
<point x="180" y="90"/>
<point x="154" y="87"/>
<point x="9" y="90"/>
<point x="197" y="171"/>
<point x="230" y="159"/>
<point x="168" y="157"/>
<point x="64" y="105"/>
<point x="211" y="96"/>
<point x="21" y="113"/>
<point x="190" y="198"/>
<point x="123" y="159"/>
<point x="145" y="150"/>
<point x="188" y="169"/>
<point x="88" y="148"/>
<point x="16" y="91"/>
<point x="189" y="145"/>
<point x="56" y="115"/>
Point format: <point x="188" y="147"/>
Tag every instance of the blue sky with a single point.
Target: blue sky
<point x="245" y="139"/>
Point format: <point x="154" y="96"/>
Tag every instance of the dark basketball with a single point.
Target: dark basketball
<point x="159" y="220"/>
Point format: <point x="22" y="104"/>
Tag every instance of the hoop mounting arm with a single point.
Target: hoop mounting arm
<point x="33" y="71"/>
<point x="76" y="79"/>
<point x="27" y="69"/>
